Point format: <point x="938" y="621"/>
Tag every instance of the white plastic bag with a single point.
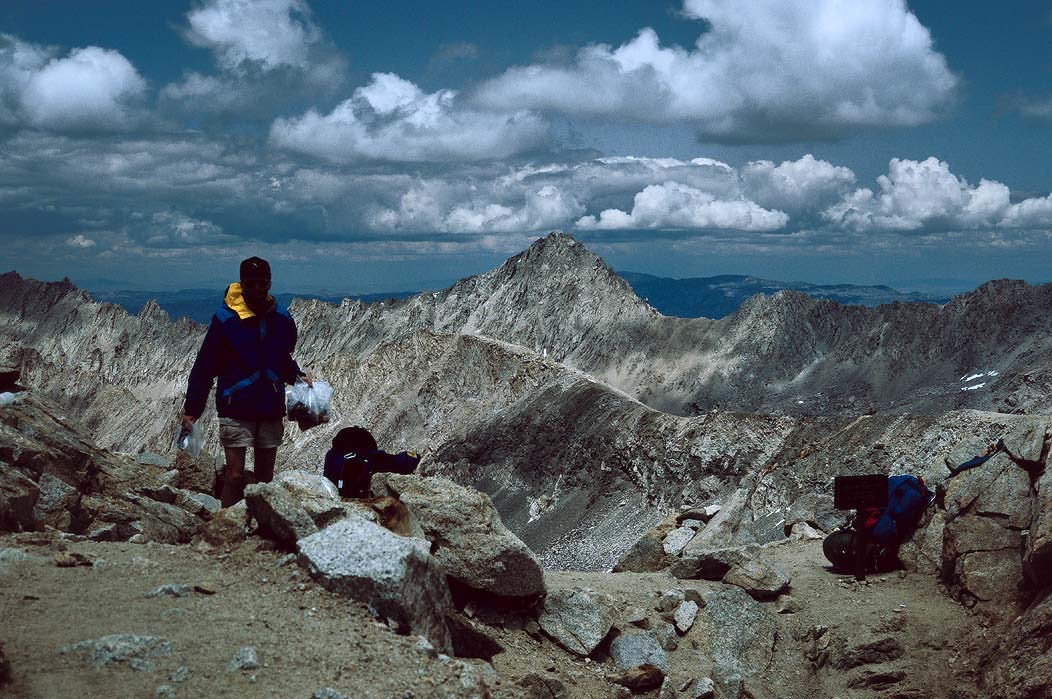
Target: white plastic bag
<point x="191" y="440"/>
<point x="308" y="406"/>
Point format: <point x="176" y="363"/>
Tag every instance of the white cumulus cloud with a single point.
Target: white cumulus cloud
<point x="767" y="70"/>
<point x="915" y="194"/>
<point x="392" y="119"/>
<point x="445" y="207"/>
<point x="271" y="33"/>
<point x="268" y="53"/>
<point x="91" y="88"/>
<point x="1030" y="213"/>
<point x="672" y="205"/>
<point x="175" y="229"/>
<point x="80" y="241"/>
<point x="795" y="185"/>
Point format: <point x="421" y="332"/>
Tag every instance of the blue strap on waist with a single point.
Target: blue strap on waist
<point x="249" y="380"/>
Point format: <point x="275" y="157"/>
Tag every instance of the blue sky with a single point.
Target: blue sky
<point x="384" y="146"/>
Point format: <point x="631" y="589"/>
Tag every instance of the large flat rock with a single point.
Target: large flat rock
<point x="468" y="538"/>
<point x="396" y="576"/>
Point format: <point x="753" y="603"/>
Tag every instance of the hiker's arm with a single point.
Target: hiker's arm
<point x="206" y="368"/>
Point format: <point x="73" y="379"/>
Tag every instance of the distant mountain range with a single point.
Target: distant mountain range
<point x="199" y="304"/>
<point x="716" y="297"/>
<point x="699" y="297"/>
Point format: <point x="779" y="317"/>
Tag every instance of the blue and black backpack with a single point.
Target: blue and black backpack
<point x="908" y="497"/>
<point x="354" y="458"/>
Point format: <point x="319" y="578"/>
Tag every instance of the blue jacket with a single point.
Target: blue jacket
<point x="252" y="357"/>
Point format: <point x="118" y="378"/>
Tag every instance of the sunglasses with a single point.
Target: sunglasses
<point x="255" y="283"/>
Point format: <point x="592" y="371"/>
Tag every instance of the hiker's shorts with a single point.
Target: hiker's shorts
<point x="260" y="434"/>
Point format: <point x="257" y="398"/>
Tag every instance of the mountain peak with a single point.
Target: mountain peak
<point x="559" y="245"/>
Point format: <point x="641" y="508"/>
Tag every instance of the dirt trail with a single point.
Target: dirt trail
<point x="309" y="639"/>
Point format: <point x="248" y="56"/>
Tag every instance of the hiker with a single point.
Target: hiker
<point x="249" y="348"/>
<point x="886" y="528"/>
<point x="975" y="461"/>
<point x="354" y="458"/>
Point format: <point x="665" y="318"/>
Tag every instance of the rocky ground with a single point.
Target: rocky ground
<point x="541" y="395"/>
<point x="884" y="638"/>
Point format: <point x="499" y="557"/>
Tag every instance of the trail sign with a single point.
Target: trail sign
<point x="857" y="492"/>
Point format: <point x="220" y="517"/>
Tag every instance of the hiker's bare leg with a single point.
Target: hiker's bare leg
<point x="234" y="477"/>
<point x="263" y="463"/>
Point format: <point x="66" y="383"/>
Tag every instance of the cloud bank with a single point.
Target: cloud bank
<point x="767" y="70"/>
<point x="393" y="119"/>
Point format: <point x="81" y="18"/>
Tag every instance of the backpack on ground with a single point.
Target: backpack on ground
<point x="887" y="527"/>
<point x="908" y="497"/>
<point x="354" y="458"/>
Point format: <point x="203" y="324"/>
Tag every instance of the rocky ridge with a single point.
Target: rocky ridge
<point x="647" y="632"/>
<point x="576" y="458"/>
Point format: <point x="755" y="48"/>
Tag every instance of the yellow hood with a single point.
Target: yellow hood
<point x="235" y="301"/>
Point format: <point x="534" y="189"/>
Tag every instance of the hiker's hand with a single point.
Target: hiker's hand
<point x="307" y="380"/>
<point x="188" y="421"/>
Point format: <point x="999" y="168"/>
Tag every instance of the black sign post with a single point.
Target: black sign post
<point x="858" y="493"/>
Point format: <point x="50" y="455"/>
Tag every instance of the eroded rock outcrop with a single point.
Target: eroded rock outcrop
<point x="53" y="475"/>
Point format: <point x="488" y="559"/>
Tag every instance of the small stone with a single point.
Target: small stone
<point x="284" y="561"/>
<point x="165" y="691"/>
<point x="665" y="634"/>
<point x="246" y="659"/>
<point x="685" y="615"/>
<point x="330" y="693"/>
<point x="668" y="689"/>
<point x="694" y="524"/>
<point x="633" y="649"/>
<point x="119" y="648"/>
<point x="72" y="559"/>
<point x="802" y="531"/>
<point x="620" y="692"/>
<point x="180" y="674"/>
<point x="704" y="688"/>
<point x="578" y="619"/>
<point x="424" y="647"/>
<point x="171" y="590"/>
<point x="787" y="605"/>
